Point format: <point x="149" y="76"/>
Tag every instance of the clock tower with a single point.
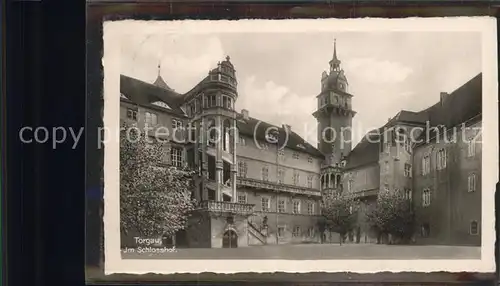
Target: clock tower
<point x="334" y="116"/>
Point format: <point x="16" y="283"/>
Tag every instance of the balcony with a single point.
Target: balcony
<point x="227" y="207"/>
<point x="365" y="193"/>
<point x="258" y="184"/>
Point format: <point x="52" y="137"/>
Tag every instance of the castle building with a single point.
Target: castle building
<point x="257" y="183"/>
<point x="434" y="157"/>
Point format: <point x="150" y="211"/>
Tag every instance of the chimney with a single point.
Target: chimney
<point x="244" y="112"/>
<point x="287" y="127"/>
<point x="443" y="96"/>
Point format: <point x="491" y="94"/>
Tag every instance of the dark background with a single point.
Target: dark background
<point x="50" y="236"/>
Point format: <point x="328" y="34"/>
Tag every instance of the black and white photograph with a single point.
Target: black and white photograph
<point x="331" y="145"/>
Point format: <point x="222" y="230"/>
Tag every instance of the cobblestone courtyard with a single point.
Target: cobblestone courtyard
<point x="316" y="251"/>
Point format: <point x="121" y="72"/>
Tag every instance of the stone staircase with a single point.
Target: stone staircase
<point x="256" y="233"/>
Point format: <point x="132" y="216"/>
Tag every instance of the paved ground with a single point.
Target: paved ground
<point x="316" y="251"/>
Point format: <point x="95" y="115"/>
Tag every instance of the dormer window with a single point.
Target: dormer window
<point x="161" y="104"/>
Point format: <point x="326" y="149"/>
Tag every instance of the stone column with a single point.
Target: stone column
<point x="204" y="164"/>
<point x="234" y="166"/>
<point x="218" y="156"/>
<point x="218" y="178"/>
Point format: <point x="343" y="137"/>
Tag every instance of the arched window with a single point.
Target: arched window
<point x="338" y="181"/>
<point x="212" y="132"/>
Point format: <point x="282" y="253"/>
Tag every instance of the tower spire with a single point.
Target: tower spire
<point x="159" y="68"/>
<point x="334" y="48"/>
<point x="335" y="62"/>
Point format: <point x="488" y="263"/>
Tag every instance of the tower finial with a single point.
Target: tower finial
<point x="159" y="67"/>
<point x="335" y="48"/>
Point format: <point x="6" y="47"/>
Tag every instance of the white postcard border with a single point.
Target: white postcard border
<point x="111" y="62"/>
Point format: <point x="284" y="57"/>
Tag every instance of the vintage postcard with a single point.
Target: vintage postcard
<point x="325" y="145"/>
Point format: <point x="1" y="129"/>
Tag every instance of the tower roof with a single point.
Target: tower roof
<point x="159" y="82"/>
<point x="335" y="60"/>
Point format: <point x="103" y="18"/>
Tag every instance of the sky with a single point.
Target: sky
<point x="279" y="74"/>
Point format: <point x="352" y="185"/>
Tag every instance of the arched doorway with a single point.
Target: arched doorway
<point x="230" y="239"/>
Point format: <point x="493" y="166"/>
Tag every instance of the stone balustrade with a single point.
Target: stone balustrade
<point x="227" y="207"/>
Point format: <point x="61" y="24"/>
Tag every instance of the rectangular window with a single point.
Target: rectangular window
<point x="296" y="231"/>
<point x="242" y="169"/>
<point x="296" y="207"/>
<point x="242" y="198"/>
<point x="281" y="176"/>
<point x="205" y="101"/>
<point x="474" y="228"/>
<point x="408" y="170"/>
<point x="242" y="141"/>
<point x="408" y="194"/>
<point x="426" y="198"/>
<point x="349" y="186"/>
<point x="151" y="119"/>
<point x="176" y="156"/>
<point x="309" y="159"/>
<point x="426" y="165"/>
<point x="281" y="231"/>
<point x="281" y="155"/>
<point x="295" y="155"/>
<point x="281" y="206"/>
<point x="212" y="101"/>
<point x="310" y="181"/>
<point x="296" y="178"/>
<point x="441" y="159"/>
<point x="176" y="123"/>
<point x="310" y="208"/>
<point x="131" y="114"/>
<point x="471" y="148"/>
<point x="265" y="204"/>
<point x="407" y="145"/>
<point x="310" y="232"/>
<point x="225" y="101"/>
<point x="265" y="174"/>
<point x="472" y="182"/>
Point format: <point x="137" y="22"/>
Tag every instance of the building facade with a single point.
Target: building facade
<point x="434" y="157"/>
<point x="257" y="183"/>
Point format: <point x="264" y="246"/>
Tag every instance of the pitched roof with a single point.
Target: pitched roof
<point x="258" y="129"/>
<point x="159" y="82"/>
<point x="461" y="105"/>
<point x="146" y="94"/>
<point x="405" y="116"/>
<point x="365" y="152"/>
<point x="458" y="107"/>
